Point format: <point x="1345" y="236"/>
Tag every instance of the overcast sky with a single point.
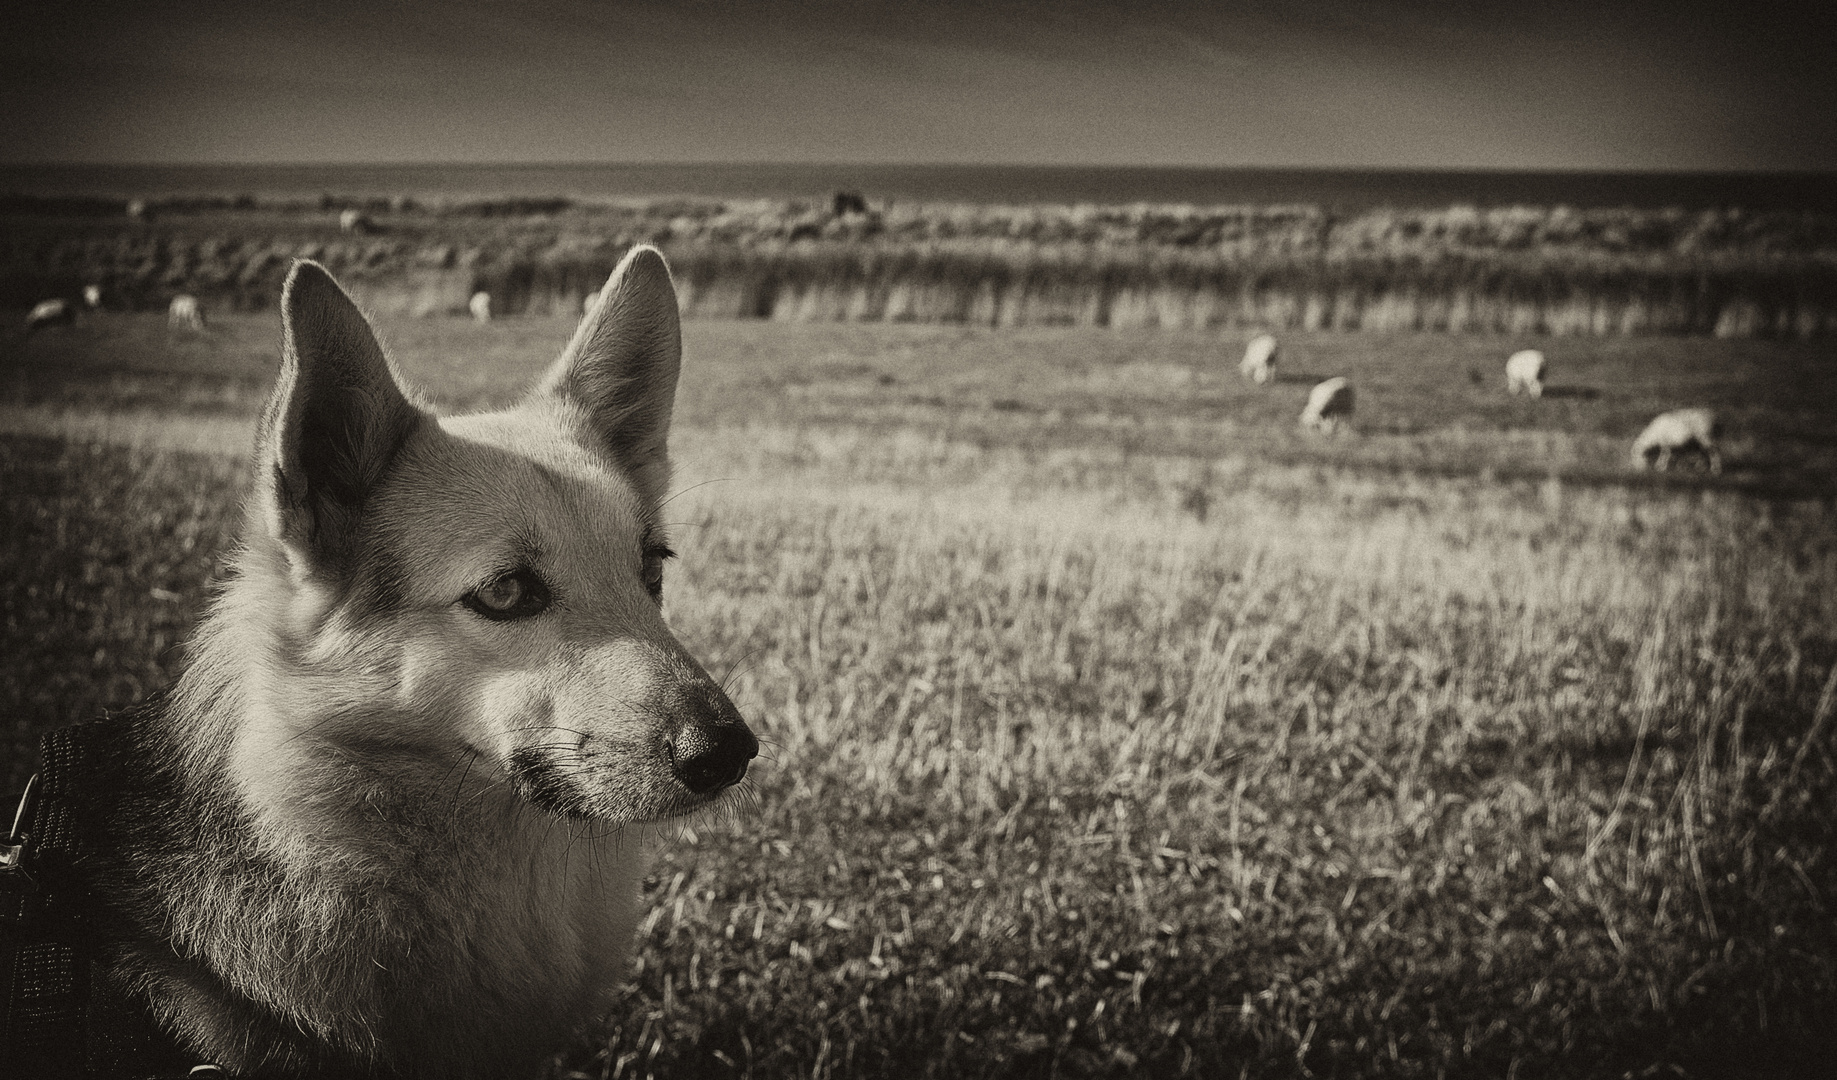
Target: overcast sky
<point x="1379" y="83"/>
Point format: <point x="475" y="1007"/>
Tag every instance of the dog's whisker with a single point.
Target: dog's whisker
<point x="716" y="480"/>
<point x="738" y="667"/>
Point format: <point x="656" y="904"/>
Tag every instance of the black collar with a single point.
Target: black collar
<point x="63" y="1017"/>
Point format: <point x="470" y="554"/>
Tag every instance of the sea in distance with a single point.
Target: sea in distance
<point x="1342" y="190"/>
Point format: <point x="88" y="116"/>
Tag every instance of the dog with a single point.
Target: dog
<point x="392" y="819"/>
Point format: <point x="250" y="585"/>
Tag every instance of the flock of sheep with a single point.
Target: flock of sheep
<point x="1668" y="435"/>
<point x="1329" y="404"/>
<point x="182" y="314"/>
<point x="480" y="305"/>
<point x="185" y="314"/>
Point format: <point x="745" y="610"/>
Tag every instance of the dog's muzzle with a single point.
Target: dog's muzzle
<point x="708" y="758"/>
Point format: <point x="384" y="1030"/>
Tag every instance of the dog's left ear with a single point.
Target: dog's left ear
<point x="622" y="365"/>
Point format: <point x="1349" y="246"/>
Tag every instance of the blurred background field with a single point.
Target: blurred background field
<point x="1113" y="727"/>
<point x="1765" y="268"/>
<point x="1428" y="402"/>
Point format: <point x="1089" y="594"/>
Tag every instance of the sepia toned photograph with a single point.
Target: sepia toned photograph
<point x="854" y="540"/>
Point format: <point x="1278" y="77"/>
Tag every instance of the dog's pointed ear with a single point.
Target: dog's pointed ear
<point x="336" y="419"/>
<point x="621" y="368"/>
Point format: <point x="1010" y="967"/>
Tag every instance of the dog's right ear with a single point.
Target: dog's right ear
<point x="333" y="424"/>
<point x="621" y="367"/>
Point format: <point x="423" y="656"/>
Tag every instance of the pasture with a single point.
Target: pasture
<point x="1115" y="726"/>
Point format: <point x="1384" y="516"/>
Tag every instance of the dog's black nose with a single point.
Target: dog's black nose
<point x="707" y="759"/>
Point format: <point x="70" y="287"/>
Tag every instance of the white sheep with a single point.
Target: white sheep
<point x="92" y="296"/>
<point x="58" y="312"/>
<point x="1524" y="370"/>
<point x="480" y="306"/>
<point x="184" y="313"/>
<point x="1328" y="405"/>
<point x="353" y="221"/>
<point x="1259" y="359"/>
<point x="1674" y="432"/>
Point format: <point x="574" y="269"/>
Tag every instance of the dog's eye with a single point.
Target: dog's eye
<point x="516" y="595"/>
<point x="654" y="554"/>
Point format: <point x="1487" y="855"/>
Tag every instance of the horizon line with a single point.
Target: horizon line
<point x="1556" y="170"/>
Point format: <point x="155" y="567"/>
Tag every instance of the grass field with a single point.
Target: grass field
<point x="1113" y="727"/>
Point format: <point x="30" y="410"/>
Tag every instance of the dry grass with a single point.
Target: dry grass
<point x="1133" y="741"/>
<point x="1354" y="777"/>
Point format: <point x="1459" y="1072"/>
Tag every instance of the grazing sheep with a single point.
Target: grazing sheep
<point x="1673" y="433"/>
<point x="92" y="296"/>
<point x="1524" y="370"/>
<point x="480" y="306"/>
<point x="353" y="221"/>
<point x="137" y="209"/>
<point x="59" y="312"/>
<point x="184" y="313"/>
<point x="1328" y="405"/>
<point x="1259" y="359"/>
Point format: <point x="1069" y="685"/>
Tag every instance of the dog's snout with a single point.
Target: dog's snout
<point x="708" y="758"/>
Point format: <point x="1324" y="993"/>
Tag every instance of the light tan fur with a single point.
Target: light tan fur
<point x="416" y="835"/>
<point x="1675" y="432"/>
<point x="1329" y="405"/>
<point x="184" y="313"/>
<point x="1524" y="371"/>
<point x="1259" y="361"/>
<point x="54" y="312"/>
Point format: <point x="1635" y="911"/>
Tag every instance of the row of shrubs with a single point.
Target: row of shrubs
<point x="1518" y="270"/>
<point x="847" y="216"/>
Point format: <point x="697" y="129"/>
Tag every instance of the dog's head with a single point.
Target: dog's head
<point x="489" y="588"/>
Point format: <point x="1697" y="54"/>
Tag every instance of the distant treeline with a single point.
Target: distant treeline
<point x="1518" y="270"/>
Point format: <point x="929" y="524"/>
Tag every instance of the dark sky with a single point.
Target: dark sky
<point x="1381" y="83"/>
